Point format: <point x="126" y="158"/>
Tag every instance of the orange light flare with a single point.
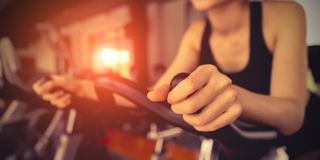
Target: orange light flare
<point x="108" y="59"/>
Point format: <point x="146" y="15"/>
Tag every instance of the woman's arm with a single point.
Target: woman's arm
<point x="186" y="60"/>
<point x="284" y="108"/>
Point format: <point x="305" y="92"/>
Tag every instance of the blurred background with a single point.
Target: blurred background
<point x="136" y="39"/>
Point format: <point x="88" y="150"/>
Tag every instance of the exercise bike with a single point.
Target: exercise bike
<point x="21" y="138"/>
<point x="242" y="140"/>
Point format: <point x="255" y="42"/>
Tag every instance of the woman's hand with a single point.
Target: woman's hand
<point x="205" y="99"/>
<point x="59" y="98"/>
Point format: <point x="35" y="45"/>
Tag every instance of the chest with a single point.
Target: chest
<point x="232" y="52"/>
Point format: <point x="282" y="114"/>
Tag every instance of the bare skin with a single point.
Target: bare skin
<point x="284" y="32"/>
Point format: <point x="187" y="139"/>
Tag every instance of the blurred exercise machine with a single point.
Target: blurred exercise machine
<point x="31" y="128"/>
<point x="20" y="137"/>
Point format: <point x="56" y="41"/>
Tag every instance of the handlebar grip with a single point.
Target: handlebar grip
<point x="177" y="79"/>
<point x="233" y="136"/>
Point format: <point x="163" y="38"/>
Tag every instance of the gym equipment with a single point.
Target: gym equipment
<point x="9" y="62"/>
<point x="160" y="137"/>
<point x="20" y="137"/>
<point x="239" y="136"/>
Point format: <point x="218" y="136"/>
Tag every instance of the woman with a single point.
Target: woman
<point x="252" y="61"/>
<point x="246" y="60"/>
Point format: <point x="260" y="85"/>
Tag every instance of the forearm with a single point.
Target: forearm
<point x="285" y="114"/>
<point x="85" y="88"/>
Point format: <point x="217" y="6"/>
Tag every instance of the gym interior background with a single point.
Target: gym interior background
<point x="136" y="39"/>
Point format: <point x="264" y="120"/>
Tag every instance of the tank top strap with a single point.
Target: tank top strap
<point x="256" y="21"/>
<point x="205" y="50"/>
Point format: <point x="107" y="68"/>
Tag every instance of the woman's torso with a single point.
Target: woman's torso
<point x="247" y="58"/>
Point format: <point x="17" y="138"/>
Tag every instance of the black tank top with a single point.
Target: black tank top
<point x="256" y="75"/>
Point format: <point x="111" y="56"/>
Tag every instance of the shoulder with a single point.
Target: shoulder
<point x="283" y="19"/>
<point x="283" y="7"/>
<point x="284" y="12"/>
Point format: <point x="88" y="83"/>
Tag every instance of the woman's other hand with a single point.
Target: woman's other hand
<point x="54" y="90"/>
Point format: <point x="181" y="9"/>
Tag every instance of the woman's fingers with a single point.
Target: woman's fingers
<point x="195" y="81"/>
<point x="203" y="96"/>
<point x="214" y="109"/>
<point x="44" y="88"/>
<point x="52" y="96"/>
<point x="37" y="85"/>
<point x="58" y="98"/>
<point x="226" y="118"/>
<point x="43" y="85"/>
<point x="159" y="94"/>
<point x="206" y="99"/>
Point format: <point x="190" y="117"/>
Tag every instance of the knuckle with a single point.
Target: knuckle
<point x="233" y="119"/>
<point x="190" y="107"/>
<point x="207" y="67"/>
<point x="210" y="67"/>
<point x="191" y="82"/>
<point x="226" y="80"/>
<point x="222" y="81"/>
<point x="237" y="110"/>
<point x="213" y="68"/>
<point x="202" y="68"/>
<point x="232" y="94"/>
